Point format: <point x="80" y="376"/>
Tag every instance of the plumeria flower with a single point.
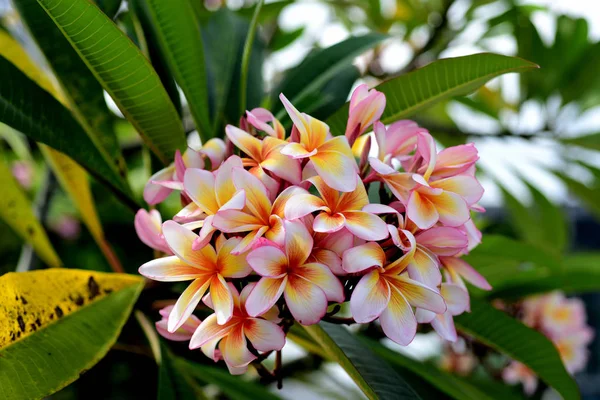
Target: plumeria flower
<point x="455" y="160"/>
<point x="338" y="210"/>
<point x="207" y="268"/>
<point x="260" y="118"/>
<point x="259" y="217"/>
<point x="232" y="336"/>
<point x="211" y="192"/>
<point x="366" y="107"/>
<point x="162" y="183"/>
<point x="457" y="271"/>
<point x="397" y="141"/>
<point x="329" y="247"/>
<point x="183" y="333"/>
<point x="385" y="293"/>
<point x="306" y="286"/>
<point x="399" y="183"/>
<point x="573" y="350"/>
<point x="517" y="372"/>
<point x="265" y="154"/>
<point x="148" y="226"/>
<point x="559" y="315"/>
<point x="332" y="158"/>
<point x="457" y="302"/>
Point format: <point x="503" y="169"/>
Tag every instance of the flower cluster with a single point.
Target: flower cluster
<point x="563" y="321"/>
<point x="278" y="228"/>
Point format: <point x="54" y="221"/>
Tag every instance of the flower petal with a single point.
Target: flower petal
<point x="456" y="298"/>
<point x="245" y="142"/>
<point x="452" y="209"/>
<point x="149" y="230"/>
<point x="424" y="267"/>
<point x="170" y="269"/>
<point x="298" y="242"/>
<point x="297" y="151"/>
<point x="209" y="330"/>
<point x="257" y="197"/>
<point x="280" y="165"/>
<point x="363" y="257"/>
<point x="181" y="239"/>
<point x="307" y="302"/>
<point x="322" y="276"/>
<point x="224" y="187"/>
<point x="421" y="211"/>
<point x="264" y="295"/>
<point x="467" y="272"/>
<point x="443" y="240"/>
<point x="269" y="261"/>
<point x="327" y="223"/>
<point x="153" y="193"/>
<point x="235" y="349"/>
<point x="418" y="295"/>
<point x="187" y="302"/>
<point x="465" y="186"/>
<point x="231" y="221"/>
<point x="264" y="335"/>
<point x="337" y="170"/>
<point x="302" y="204"/>
<point x="397" y="320"/>
<point x="231" y="265"/>
<point x="370" y="297"/>
<point x="328" y="258"/>
<point x="444" y="326"/>
<point x="221" y="299"/>
<point x="199" y="185"/>
<point x="365" y="225"/>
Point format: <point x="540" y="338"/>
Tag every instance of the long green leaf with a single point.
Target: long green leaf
<point x="590" y="141"/>
<point x="173" y="382"/>
<point x="246" y="54"/>
<point x="123" y="72"/>
<point x="232" y="386"/>
<point x="507" y="335"/>
<point x="455" y="386"/>
<point x="320" y="67"/>
<point x="17" y="211"/>
<point x="27" y="108"/>
<point x="412" y="92"/>
<point x="372" y="375"/>
<point x="83" y="94"/>
<point x="56" y="324"/>
<point x="179" y="39"/>
<point x="589" y="196"/>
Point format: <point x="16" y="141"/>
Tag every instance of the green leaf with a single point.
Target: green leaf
<point x="282" y="39"/>
<point x="590" y="196"/>
<point x="507" y="335"/>
<point x="27" y="108"/>
<point x="372" y="375"/>
<point x="319" y="68"/>
<point x="412" y="92"/>
<point x="179" y="38"/>
<point x="269" y="11"/>
<point x="109" y="7"/>
<point x="63" y="322"/>
<point x="247" y="50"/>
<point x="232" y="386"/>
<point x="123" y="72"/>
<point x="173" y="382"/>
<point x="82" y="92"/>
<point x="17" y="211"/>
<point x="589" y="141"/>
<point x="453" y="385"/>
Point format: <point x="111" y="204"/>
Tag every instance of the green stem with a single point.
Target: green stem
<point x="246" y="56"/>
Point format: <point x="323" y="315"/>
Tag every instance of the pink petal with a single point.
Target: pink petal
<point x="467" y="272"/>
<point x="466" y="186"/>
<point x="199" y="185"/>
<point x="306" y="301"/>
<point x="264" y="335"/>
<point x="302" y="204"/>
<point x="321" y="276"/>
<point x="443" y="241"/>
<point x="149" y="230"/>
<point x="264" y="295"/>
<point x="268" y="261"/>
<point x="452" y="209"/>
<point x="297" y="151"/>
<point x="419" y="295"/>
<point x="221" y="298"/>
<point x="456" y="298"/>
<point x="187" y="302"/>
<point x="363" y="257"/>
<point x="444" y="326"/>
<point x="245" y="142"/>
<point x="370" y="297"/>
<point x="153" y="193"/>
<point x="235" y="349"/>
<point x="365" y="225"/>
<point x="421" y="211"/>
<point x="455" y="160"/>
<point x="180" y="240"/>
<point x="298" y="242"/>
<point x="324" y="222"/>
<point x="231" y="221"/>
<point x="424" y="267"/>
<point x="249" y="240"/>
<point x="170" y="269"/>
<point x="328" y="258"/>
<point x="397" y="320"/>
<point x="209" y="330"/>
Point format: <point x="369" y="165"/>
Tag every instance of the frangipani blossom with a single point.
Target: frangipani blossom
<point x="455" y="160"/>
<point x="306" y="286"/>
<point x="459" y="271"/>
<point x="517" y="372"/>
<point x="148" y="226"/>
<point x="259" y="217"/>
<point x="457" y="302"/>
<point x="265" y="153"/>
<point x="232" y="336"/>
<point x="387" y="294"/>
<point x="560" y="315"/>
<point x="163" y="182"/>
<point x="329" y="247"/>
<point x="207" y="268"/>
<point x="183" y="333"/>
<point x="332" y="158"/>
<point x="572" y="348"/>
<point x="338" y="210"/>
<point x="399" y="183"/>
<point x="397" y="141"/>
<point x="211" y="192"/>
<point x="259" y="118"/>
<point x="366" y="107"/>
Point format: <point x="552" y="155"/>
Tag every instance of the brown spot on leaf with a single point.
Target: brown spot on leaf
<point x="93" y="288"/>
<point x="21" y="323"/>
<point x="23" y="300"/>
<point x="30" y="230"/>
<point x="33" y="327"/>
<point x="79" y="300"/>
<point x="38" y="322"/>
<point x="58" y="311"/>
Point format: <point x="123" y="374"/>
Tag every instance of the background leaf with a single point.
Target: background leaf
<point x="123" y="72"/>
<point x="63" y="322"/>
<point x="507" y="335"/>
<point x="17" y="211"/>
<point x="409" y="93"/>
<point x="373" y="376"/>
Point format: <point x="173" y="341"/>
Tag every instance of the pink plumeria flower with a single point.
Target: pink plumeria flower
<point x="207" y="268"/>
<point x="161" y="184"/>
<point x="211" y="192"/>
<point x="366" y="107"/>
<point x="457" y="271"/>
<point x="397" y="141"/>
<point x="233" y="336"/>
<point x="572" y="347"/>
<point x="517" y="372"/>
<point x="260" y="118"/>
<point x="387" y="294"/>
<point x="457" y="301"/>
<point x="560" y="315"/>
<point x="455" y="160"/>
<point x="265" y="154"/>
<point x="399" y="183"/>
<point x="183" y="333"/>
<point x="331" y="158"/>
<point x="338" y="210"/>
<point x="148" y="226"/>
<point x="306" y="286"/>
<point x="329" y="247"/>
<point x="259" y="217"/>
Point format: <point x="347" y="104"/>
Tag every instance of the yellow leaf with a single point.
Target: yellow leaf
<point x="17" y="211"/>
<point x="32" y="300"/>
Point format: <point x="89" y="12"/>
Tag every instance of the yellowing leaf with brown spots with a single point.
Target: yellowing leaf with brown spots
<point x="17" y="211"/>
<point x="57" y="323"/>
